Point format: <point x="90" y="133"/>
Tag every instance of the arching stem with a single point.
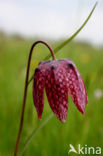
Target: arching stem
<point x="25" y="92"/>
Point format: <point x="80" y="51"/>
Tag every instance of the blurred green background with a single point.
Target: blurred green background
<point x="54" y="138"/>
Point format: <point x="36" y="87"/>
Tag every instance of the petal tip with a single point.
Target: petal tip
<point x="83" y="111"/>
<point x="63" y="120"/>
<point x="39" y="116"/>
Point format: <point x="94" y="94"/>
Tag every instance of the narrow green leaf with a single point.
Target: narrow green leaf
<point x="70" y="39"/>
<point x="35" y="132"/>
<point x="73" y="36"/>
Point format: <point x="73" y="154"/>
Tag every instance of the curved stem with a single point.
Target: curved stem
<point x="71" y="38"/>
<point x="25" y="91"/>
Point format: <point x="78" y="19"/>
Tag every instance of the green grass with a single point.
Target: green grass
<point x="55" y="137"/>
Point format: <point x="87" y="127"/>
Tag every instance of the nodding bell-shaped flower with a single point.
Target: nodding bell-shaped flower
<point x="59" y="78"/>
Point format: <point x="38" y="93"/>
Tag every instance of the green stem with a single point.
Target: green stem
<point x="71" y="38"/>
<point x="35" y="132"/>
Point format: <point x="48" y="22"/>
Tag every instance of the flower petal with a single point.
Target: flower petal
<point x="38" y="90"/>
<point x="82" y="86"/>
<point x="76" y="86"/>
<point x="57" y="91"/>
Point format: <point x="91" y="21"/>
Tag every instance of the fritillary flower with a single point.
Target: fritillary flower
<point x="59" y="78"/>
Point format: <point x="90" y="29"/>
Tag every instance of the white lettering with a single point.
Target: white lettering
<point x="98" y="150"/>
<point x="89" y="150"/>
<point x="80" y="149"/>
<point x="86" y="149"/>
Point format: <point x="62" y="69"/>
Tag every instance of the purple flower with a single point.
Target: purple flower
<point x="59" y="78"/>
